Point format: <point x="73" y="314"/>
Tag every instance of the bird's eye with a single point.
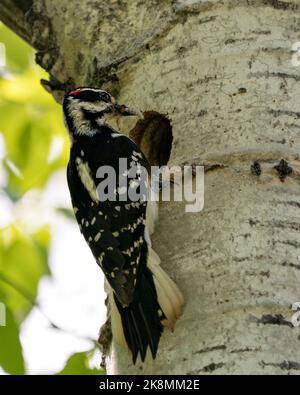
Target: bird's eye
<point x="105" y="97"/>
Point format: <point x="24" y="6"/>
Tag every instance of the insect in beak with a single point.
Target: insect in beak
<point x="124" y="110"/>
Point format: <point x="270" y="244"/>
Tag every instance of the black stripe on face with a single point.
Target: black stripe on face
<point x="96" y="114"/>
<point x="93" y="96"/>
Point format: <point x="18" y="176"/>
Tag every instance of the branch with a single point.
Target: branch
<point x="29" y="19"/>
<point x="12" y="14"/>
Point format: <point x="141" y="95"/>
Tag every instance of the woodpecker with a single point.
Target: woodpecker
<point x="142" y="297"/>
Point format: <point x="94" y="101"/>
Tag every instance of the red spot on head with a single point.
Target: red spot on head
<point x="74" y="92"/>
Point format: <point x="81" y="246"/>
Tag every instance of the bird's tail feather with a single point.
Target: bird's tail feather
<point x="169" y="296"/>
<point x="157" y="302"/>
<point x="140" y="321"/>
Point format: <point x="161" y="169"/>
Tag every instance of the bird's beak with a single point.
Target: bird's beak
<point x="124" y="110"/>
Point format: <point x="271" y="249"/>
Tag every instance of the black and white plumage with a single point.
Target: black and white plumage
<point x="142" y="297"/>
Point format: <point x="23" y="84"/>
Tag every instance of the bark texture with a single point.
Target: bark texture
<point x="222" y="72"/>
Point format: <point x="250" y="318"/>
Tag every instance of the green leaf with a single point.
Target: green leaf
<point x="78" y="364"/>
<point x="11" y="357"/>
<point x="23" y="261"/>
<point x="18" y="53"/>
<point x="28" y="139"/>
<point x="29" y="135"/>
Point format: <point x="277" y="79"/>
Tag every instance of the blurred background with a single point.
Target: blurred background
<point x="51" y="287"/>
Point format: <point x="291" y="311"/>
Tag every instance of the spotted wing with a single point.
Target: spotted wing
<point x="114" y="230"/>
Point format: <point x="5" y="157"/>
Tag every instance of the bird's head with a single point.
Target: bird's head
<point x="87" y="108"/>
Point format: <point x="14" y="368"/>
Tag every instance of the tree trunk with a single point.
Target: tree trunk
<point x="222" y="72"/>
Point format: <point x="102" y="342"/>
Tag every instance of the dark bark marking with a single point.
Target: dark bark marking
<point x="261" y="273"/>
<point x="284" y="225"/>
<point x="277" y="319"/>
<point x="101" y="75"/>
<point x="267" y="74"/>
<point x="253" y="222"/>
<point x="290" y="264"/>
<point x="240" y="91"/>
<point x="208" y="368"/>
<point x="278" y="113"/>
<point x="283" y="141"/>
<point x="281" y="5"/>
<point x="213" y="166"/>
<point x="246" y="349"/>
<point x="277" y="223"/>
<point x="202" y="113"/>
<point x="105" y="337"/>
<point x="201" y="81"/>
<point x="234" y="40"/>
<point x="262" y="32"/>
<point x="273" y="49"/>
<point x="208" y="166"/>
<point x="54" y="85"/>
<point x="42" y="36"/>
<point x="212" y="367"/>
<point x="256" y="168"/>
<point x="291" y="243"/>
<point x="284" y="365"/>
<point x="283" y="169"/>
<point x="210" y="349"/>
<point x="256" y="257"/>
